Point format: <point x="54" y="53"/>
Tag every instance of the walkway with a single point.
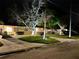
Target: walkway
<point x="14" y="45"/>
<point x="65" y="39"/>
<point x="9" y="46"/>
<point x="24" y="44"/>
<point x="60" y="39"/>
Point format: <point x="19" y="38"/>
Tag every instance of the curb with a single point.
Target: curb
<point x="11" y="52"/>
<point x="17" y="51"/>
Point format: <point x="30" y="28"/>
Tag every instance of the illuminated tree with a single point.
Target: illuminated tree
<point x="31" y="17"/>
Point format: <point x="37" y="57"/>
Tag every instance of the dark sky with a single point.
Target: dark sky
<point x="5" y="5"/>
<point x="64" y="5"/>
<point x="61" y="6"/>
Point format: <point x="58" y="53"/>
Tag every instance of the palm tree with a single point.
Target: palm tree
<point x="54" y="22"/>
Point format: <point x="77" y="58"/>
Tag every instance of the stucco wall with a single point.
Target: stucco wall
<point x="16" y="29"/>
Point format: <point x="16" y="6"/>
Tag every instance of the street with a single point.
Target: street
<point x="65" y="50"/>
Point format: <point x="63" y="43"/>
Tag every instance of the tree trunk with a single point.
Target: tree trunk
<point x="33" y="31"/>
<point x="44" y="34"/>
<point x="70" y="29"/>
<point x="60" y="32"/>
<point x="61" y="28"/>
<point x="70" y="21"/>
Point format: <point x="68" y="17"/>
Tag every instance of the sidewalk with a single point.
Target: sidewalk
<point x="65" y="39"/>
<point x="24" y="44"/>
<point x="9" y="46"/>
<point x="60" y="39"/>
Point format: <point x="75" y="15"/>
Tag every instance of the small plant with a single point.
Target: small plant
<point x="5" y="35"/>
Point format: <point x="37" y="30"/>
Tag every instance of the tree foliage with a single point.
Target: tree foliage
<point x="53" y="22"/>
<point x="1" y="23"/>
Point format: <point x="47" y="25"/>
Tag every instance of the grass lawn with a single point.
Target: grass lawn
<point x="38" y="39"/>
<point x="63" y="36"/>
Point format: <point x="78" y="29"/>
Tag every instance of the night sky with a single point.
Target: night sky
<point x="61" y="6"/>
<point x="64" y="5"/>
<point x="5" y="5"/>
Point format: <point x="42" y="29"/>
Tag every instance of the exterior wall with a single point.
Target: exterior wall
<point x="39" y="29"/>
<point x="12" y="30"/>
<point x="9" y="29"/>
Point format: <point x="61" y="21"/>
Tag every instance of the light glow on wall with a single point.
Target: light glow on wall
<point x="8" y="29"/>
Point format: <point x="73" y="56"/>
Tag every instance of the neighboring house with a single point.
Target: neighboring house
<point x="14" y="30"/>
<point x="20" y="30"/>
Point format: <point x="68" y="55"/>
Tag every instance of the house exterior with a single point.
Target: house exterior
<point x="15" y="30"/>
<point x="20" y="30"/>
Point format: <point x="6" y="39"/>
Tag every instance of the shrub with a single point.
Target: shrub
<point x="38" y="39"/>
<point x="5" y="35"/>
<point x="1" y="44"/>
